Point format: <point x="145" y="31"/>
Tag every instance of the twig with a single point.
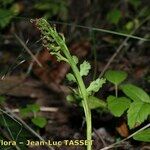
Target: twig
<point x="28" y="50"/>
<point x="121" y="46"/>
<point x="32" y="63"/>
<point x="145" y="148"/>
<point x="119" y="142"/>
<point x="44" y="109"/>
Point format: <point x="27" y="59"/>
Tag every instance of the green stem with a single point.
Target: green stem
<point x="83" y="91"/>
<point x="52" y="33"/>
<point x="116" y="90"/>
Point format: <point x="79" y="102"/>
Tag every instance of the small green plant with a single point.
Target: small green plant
<point x="115" y="77"/>
<point x="36" y="120"/>
<point x="55" y="43"/>
<point x="136" y="102"/>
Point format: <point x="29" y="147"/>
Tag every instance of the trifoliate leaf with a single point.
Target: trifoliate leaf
<point x="75" y="58"/>
<point x="39" y="121"/>
<point x="135" y="93"/>
<point x="70" y="77"/>
<point x="117" y="106"/>
<point x="95" y="85"/>
<point x="137" y="113"/>
<point x="115" y="77"/>
<point x="84" y="68"/>
<point x="143" y="136"/>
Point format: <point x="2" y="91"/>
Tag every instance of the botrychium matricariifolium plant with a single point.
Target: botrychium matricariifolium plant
<point x="55" y="43"/>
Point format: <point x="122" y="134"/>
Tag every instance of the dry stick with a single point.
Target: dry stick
<point x="32" y="63"/>
<point x="121" y="46"/>
<point x="42" y="108"/>
<point x="26" y="126"/>
<point x="119" y="142"/>
<point x="36" y="55"/>
<point x="145" y="148"/>
<point x="28" y="50"/>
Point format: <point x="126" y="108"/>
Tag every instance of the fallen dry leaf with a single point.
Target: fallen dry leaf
<point x="123" y="129"/>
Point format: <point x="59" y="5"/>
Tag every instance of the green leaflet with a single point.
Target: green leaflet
<point x="70" y="77"/>
<point x="118" y="106"/>
<point x="30" y="108"/>
<point x="33" y="107"/>
<point x="39" y="121"/>
<point x="75" y="58"/>
<point x="137" y="113"/>
<point x="135" y="93"/>
<point x="94" y="103"/>
<point x="95" y="86"/>
<point x="143" y="135"/>
<point x="115" y="77"/>
<point x="85" y="68"/>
